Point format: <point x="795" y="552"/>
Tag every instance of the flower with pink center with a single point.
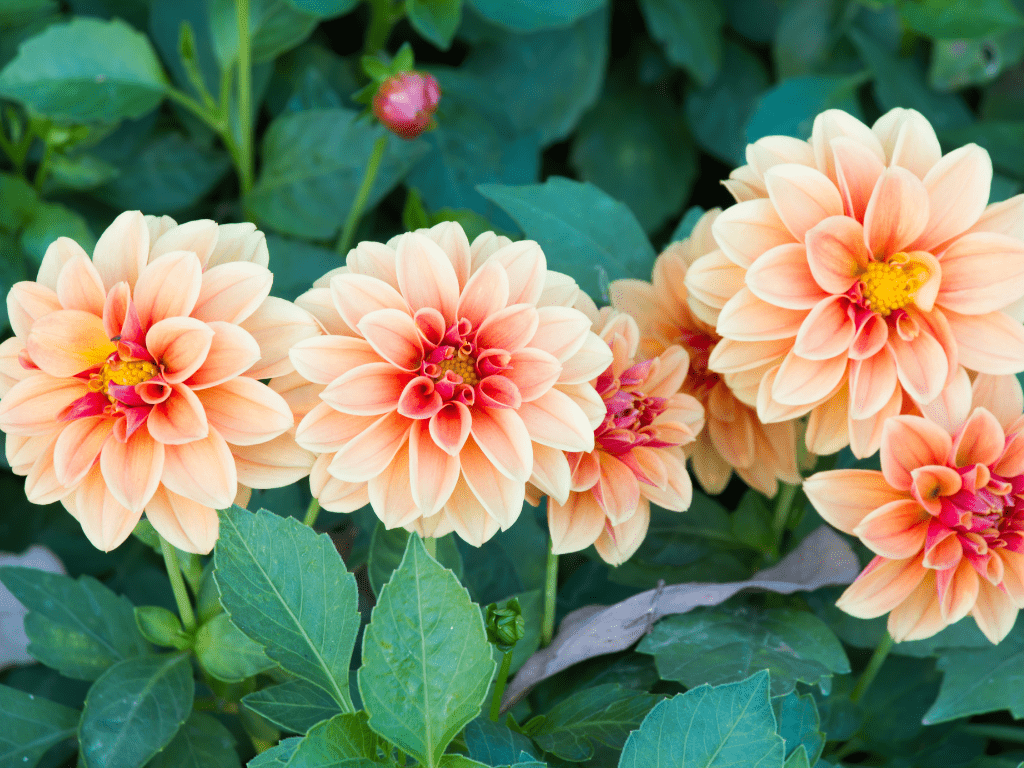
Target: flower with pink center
<point x="637" y="456"/>
<point x="945" y="515"/>
<point x="857" y="270"/>
<point x="454" y="374"/>
<point x="132" y="381"/>
<point x="733" y="438"/>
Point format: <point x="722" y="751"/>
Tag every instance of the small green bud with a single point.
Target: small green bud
<point x="505" y="626"/>
<point x="161" y="627"/>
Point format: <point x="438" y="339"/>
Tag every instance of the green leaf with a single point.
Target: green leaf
<point x="426" y="660"/>
<point x="80" y="628"/>
<point x="277" y="756"/>
<point x="436" y="20"/>
<point x="686" y="225"/>
<point x="894" y="705"/>
<point x="387" y="548"/>
<point x="976" y="681"/>
<point x="1002" y="139"/>
<point x="806" y="37"/>
<point x="134" y="710"/>
<point x="275" y="26"/>
<point x="30" y="725"/>
<point x="460" y="761"/>
<point x="86" y="71"/>
<point x="634" y="145"/>
<point x="603" y="713"/>
<point x="50" y="221"/>
<point x="799" y="724"/>
<point x="324" y="9"/>
<point x="338" y="741"/>
<point x="584" y="232"/>
<point x="789" y="108"/>
<point x="20" y="202"/>
<point x="798" y="759"/>
<point x="297" y="264"/>
<point x="956" y="64"/>
<point x="495" y="743"/>
<point x="690" y="31"/>
<point x="720" y="645"/>
<point x="706" y="727"/>
<point x="226" y="653"/>
<point x="752" y="522"/>
<point x="202" y="742"/>
<point x="534" y="15"/>
<point x="313" y="165"/>
<point x="78" y="173"/>
<point x="287" y="588"/>
<point x="959" y="18"/>
<point x="296" y="706"/>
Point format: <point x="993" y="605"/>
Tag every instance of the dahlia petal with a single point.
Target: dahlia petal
<point x="450" y="427"/>
<point x="78" y="447"/>
<point x="678" y="491"/>
<point x="958" y="188"/>
<point x="526" y="266"/>
<point x="881" y="586"/>
<point x="712" y="280"/>
<point x="866" y="434"/>
<point x="199" y="237"/>
<point x="420" y="399"/>
<point x="504" y="438"/>
<point x="336" y="495"/>
<point x="745" y="317"/>
<point x="827" y="330"/>
<point x="993" y="611"/>
<point x="184" y="523"/>
<point x="272" y="464"/>
<point x="990" y="343"/>
<point x="426" y="275"/>
<point x="587" y="363"/>
<point x="104" y="520"/>
<point x="897" y="212"/>
<point x="746" y="230"/>
<point x="576" y="524"/>
<point x="357" y="295"/>
<point x="957" y="589"/>
<point x="1005" y="218"/>
<point x="232" y="292"/>
<point x="551" y="472"/>
<point x="800" y="381"/>
<point x="322" y="359"/>
<point x="178" y="419"/>
<point x="931" y="483"/>
<point x="767" y="152"/>
<point x="168" y="287"/>
<point x="468" y="517"/>
<point x="871" y="384"/>
<point x="982" y="272"/>
<point x="909" y="140"/>
<point x="484" y="246"/>
<point x="953" y="405"/>
<point x="34" y="404"/>
<point x="667" y="373"/>
<point x="11" y="370"/>
<point x="484" y="294"/>
<point x="919" y="615"/>
<point x="502" y="497"/>
<point x="79" y="286"/>
<point x="180" y="345"/>
<point x="869" y="338"/>
<point x="451" y="238"/>
<point x="836" y="254"/>
<point x="783" y="278"/>
<point x="433" y="472"/>
<point x="921" y="365"/>
<point x="1013" y="575"/>
<point x="67" y="342"/>
<point x="769" y="410"/>
<point x="895" y="530"/>
<point x="827" y="425"/>
<point x="981" y="441"/>
<point x="617" y="489"/>
<point x="319" y="303"/>
<point x="802" y="197"/>
<point x="277" y="325"/>
<point x="509" y="328"/>
<point x="122" y="250"/>
<point x="844" y="497"/>
<point x="533" y="372"/>
<point x="41" y="483"/>
<point x="1001" y="395"/>
<point x="324" y="429"/>
<point x="202" y="470"/>
<point x="390" y="492"/>
<point x="556" y="420"/>
<point x="26" y="303"/>
<point x="393" y="335"/>
<point x="245" y="411"/>
<point x="58" y="253"/>
<point x="561" y="331"/>
<point x="909" y="442"/>
<point x="375" y="260"/>
<point x="132" y="469"/>
<point x="618" y="543"/>
<point x="367" y="390"/>
<point x="561" y="291"/>
<point x="835" y="125"/>
<point x="369" y="452"/>
<point x="857" y="169"/>
<point x="730" y="356"/>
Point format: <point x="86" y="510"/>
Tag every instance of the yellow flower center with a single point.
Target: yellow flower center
<point x="891" y="285"/>
<point x="462" y="365"/>
<point x="124" y="372"/>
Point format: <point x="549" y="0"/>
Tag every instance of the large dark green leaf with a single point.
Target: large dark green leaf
<point x="534" y="15"/>
<point x="387" y="548"/>
<point x="134" y="710"/>
<point x="806" y="37"/>
<point x="799" y="725"/>
<point x="202" y="742"/>
<point x="436" y="20"/>
<point x="690" y="30"/>
<point x="275" y="26"/>
<point x="287" y="588"/>
<point x="325" y="9"/>
<point x="426" y="660"/>
<point x="79" y="628"/>
<point x="313" y="165"/>
<point x="296" y="265"/>
<point x="789" y="108"/>
<point x="50" y="221"/>
<point x="960" y="18"/>
<point x="721" y="645"/>
<point x="980" y="680"/>
<point x="584" y="232"/>
<point x="494" y="743"/>
<point x="296" y="706"/>
<point x="338" y="741"/>
<point x="1003" y="140"/>
<point x="86" y="70"/>
<point x="729" y="725"/>
<point x="30" y="725"/>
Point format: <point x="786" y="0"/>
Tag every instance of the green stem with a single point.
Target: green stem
<point x="547" y="630"/>
<point x="999" y="732"/>
<point x="43" y="168"/>
<point x="499" y="687"/>
<point x="356" y="211"/>
<point x="430" y="544"/>
<point x="188" y="619"/>
<point x="875" y="664"/>
<point x="382" y="19"/>
<point x="783" y="503"/>
<point x="245" y="162"/>
<point x="312" y="513"/>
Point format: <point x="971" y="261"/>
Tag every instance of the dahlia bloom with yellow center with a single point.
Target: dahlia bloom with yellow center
<point x="637" y="456"/>
<point x="857" y="270"/>
<point x="733" y="438"/>
<point x="945" y="515"/>
<point x="132" y="381"/>
<point x="454" y="373"/>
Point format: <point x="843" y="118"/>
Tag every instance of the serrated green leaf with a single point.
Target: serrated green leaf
<point x="338" y="741"/>
<point x="50" y="221"/>
<point x="720" y="645"/>
<point x="287" y="589"/>
<point x="799" y="725"/>
<point x="690" y="30"/>
<point x="959" y="18"/>
<point x="226" y="653"/>
<point x="603" y="713"/>
<point x="86" y="70"/>
<point x="78" y="627"/>
<point x="296" y="706"/>
<point x="534" y="15"/>
<point x="426" y="660"/>
<point x="30" y="725"/>
<point x="313" y="165"/>
<point x="789" y="107"/>
<point x="202" y="742"/>
<point x="709" y="728"/>
<point x="584" y="232"/>
<point x="387" y="548"/>
<point x="436" y="20"/>
<point x="495" y="743"/>
<point x="134" y="710"/>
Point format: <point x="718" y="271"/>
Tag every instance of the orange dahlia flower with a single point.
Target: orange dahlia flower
<point x="945" y="515"/>
<point x="857" y="270"/>
<point x="132" y="381"/>
<point x="733" y="438"/>
<point x="637" y="456"/>
<point x="453" y="375"/>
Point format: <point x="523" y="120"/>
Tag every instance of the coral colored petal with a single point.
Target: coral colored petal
<point x="484" y="294"/>
<point x="587" y="363"/>
<point x="322" y="359"/>
<point x="931" y="483"/>
<point x="78" y="447"/>
<point x="802" y="197"/>
<point x="746" y="230"/>
<point x="895" y="530"/>
<point x="233" y="351"/>
<point x="503" y="437"/>
<point x="561" y="331"/>
<point x="801" y="381"/>
<point x="393" y="335"/>
<point x="319" y="303"/>
<point x="451" y="238"/>
<point x="921" y="365"/>
<point x="184" y="523"/>
<point x="366" y="390"/>
<point x="747" y="318"/>
<point x="168" y="287"/>
<point x="180" y="345"/>
<point x="836" y="254"/>
<point x="827" y="330"/>
<point x="769" y="410"/>
<point x="202" y="470"/>
<point x="420" y="399"/>
<point x="991" y="343"/>
<point x="871" y="384"/>
<point x="232" y="292"/>
<point x="555" y="420"/>
<point x="881" y="586"/>
<point x="466" y="515"/>
<point x="667" y="373"/>
<point x="58" y="253"/>
<point x="712" y="280"/>
<point x="833" y="126"/>
<point x="178" y="419"/>
<point x="1006" y="218"/>
<point x="993" y="611"/>
<point x="509" y="329"/>
<point x="526" y="267"/>
<point x="909" y="442"/>
<point x="957" y="589"/>
<point x="857" y="169"/>
<point x="390" y="492"/>
<point x="617" y="489"/>
<point x="199" y="237"/>
<point x="372" y="259"/>
<point x="245" y="411"/>
<point x="866" y="434"/>
<point x="869" y="338"/>
<point x="551" y="472"/>
<point x="122" y="250"/>
<point x="26" y="303"/>
<point x="324" y="429"/>
<point x="576" y="524"/>
<point x="730" y="356"/>
<point x="844" y="497"/>
<point x="105" y="521"/>
<point x="982" y="272"/>
<point x="34" y="405"/>
<point x="426" y="275"/>
<point x="502" y="497"/>
<point x="357" y="295"/>
<point x="367" y="454"/>
<point x="770" y="151"/>
<point x="827" y="425"/>
<point x="338" y="496"/>
<point x="919" y="615"/>
<point x="450" y="427"/>
<point x="618" y="543"/>
<point x="981" y="441"/>
<point x="783" y="278"/>
<point x="958" y="189"/>
<point x="276" y="326"/>
<point x="67" y="342"/>
<point x="115" y="309"/>
<point x="953" y="405"/>
<point x="272" y="464"/>
<point x="433" y="473"/>
<point x="41" y="483"/>
<point x="897" y="212"/>
<point x="80" y="286"/>
<point x="533" y="372"/>
<point x="132" y="469"/>
<point x="908" y="140"/>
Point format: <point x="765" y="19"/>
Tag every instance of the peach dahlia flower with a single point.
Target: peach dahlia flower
<point x="733" y="438"/>
<point x="637" y="456"/>
<point x="857" y="270"/>
<point x="945" y="515"/>
<point x="132" y="381"/>
<point x="452" y="375"/>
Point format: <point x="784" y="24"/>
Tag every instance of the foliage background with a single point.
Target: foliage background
<point x="593" y="127"/>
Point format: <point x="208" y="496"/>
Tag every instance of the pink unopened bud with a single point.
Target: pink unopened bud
<point x="406" y="102"/>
